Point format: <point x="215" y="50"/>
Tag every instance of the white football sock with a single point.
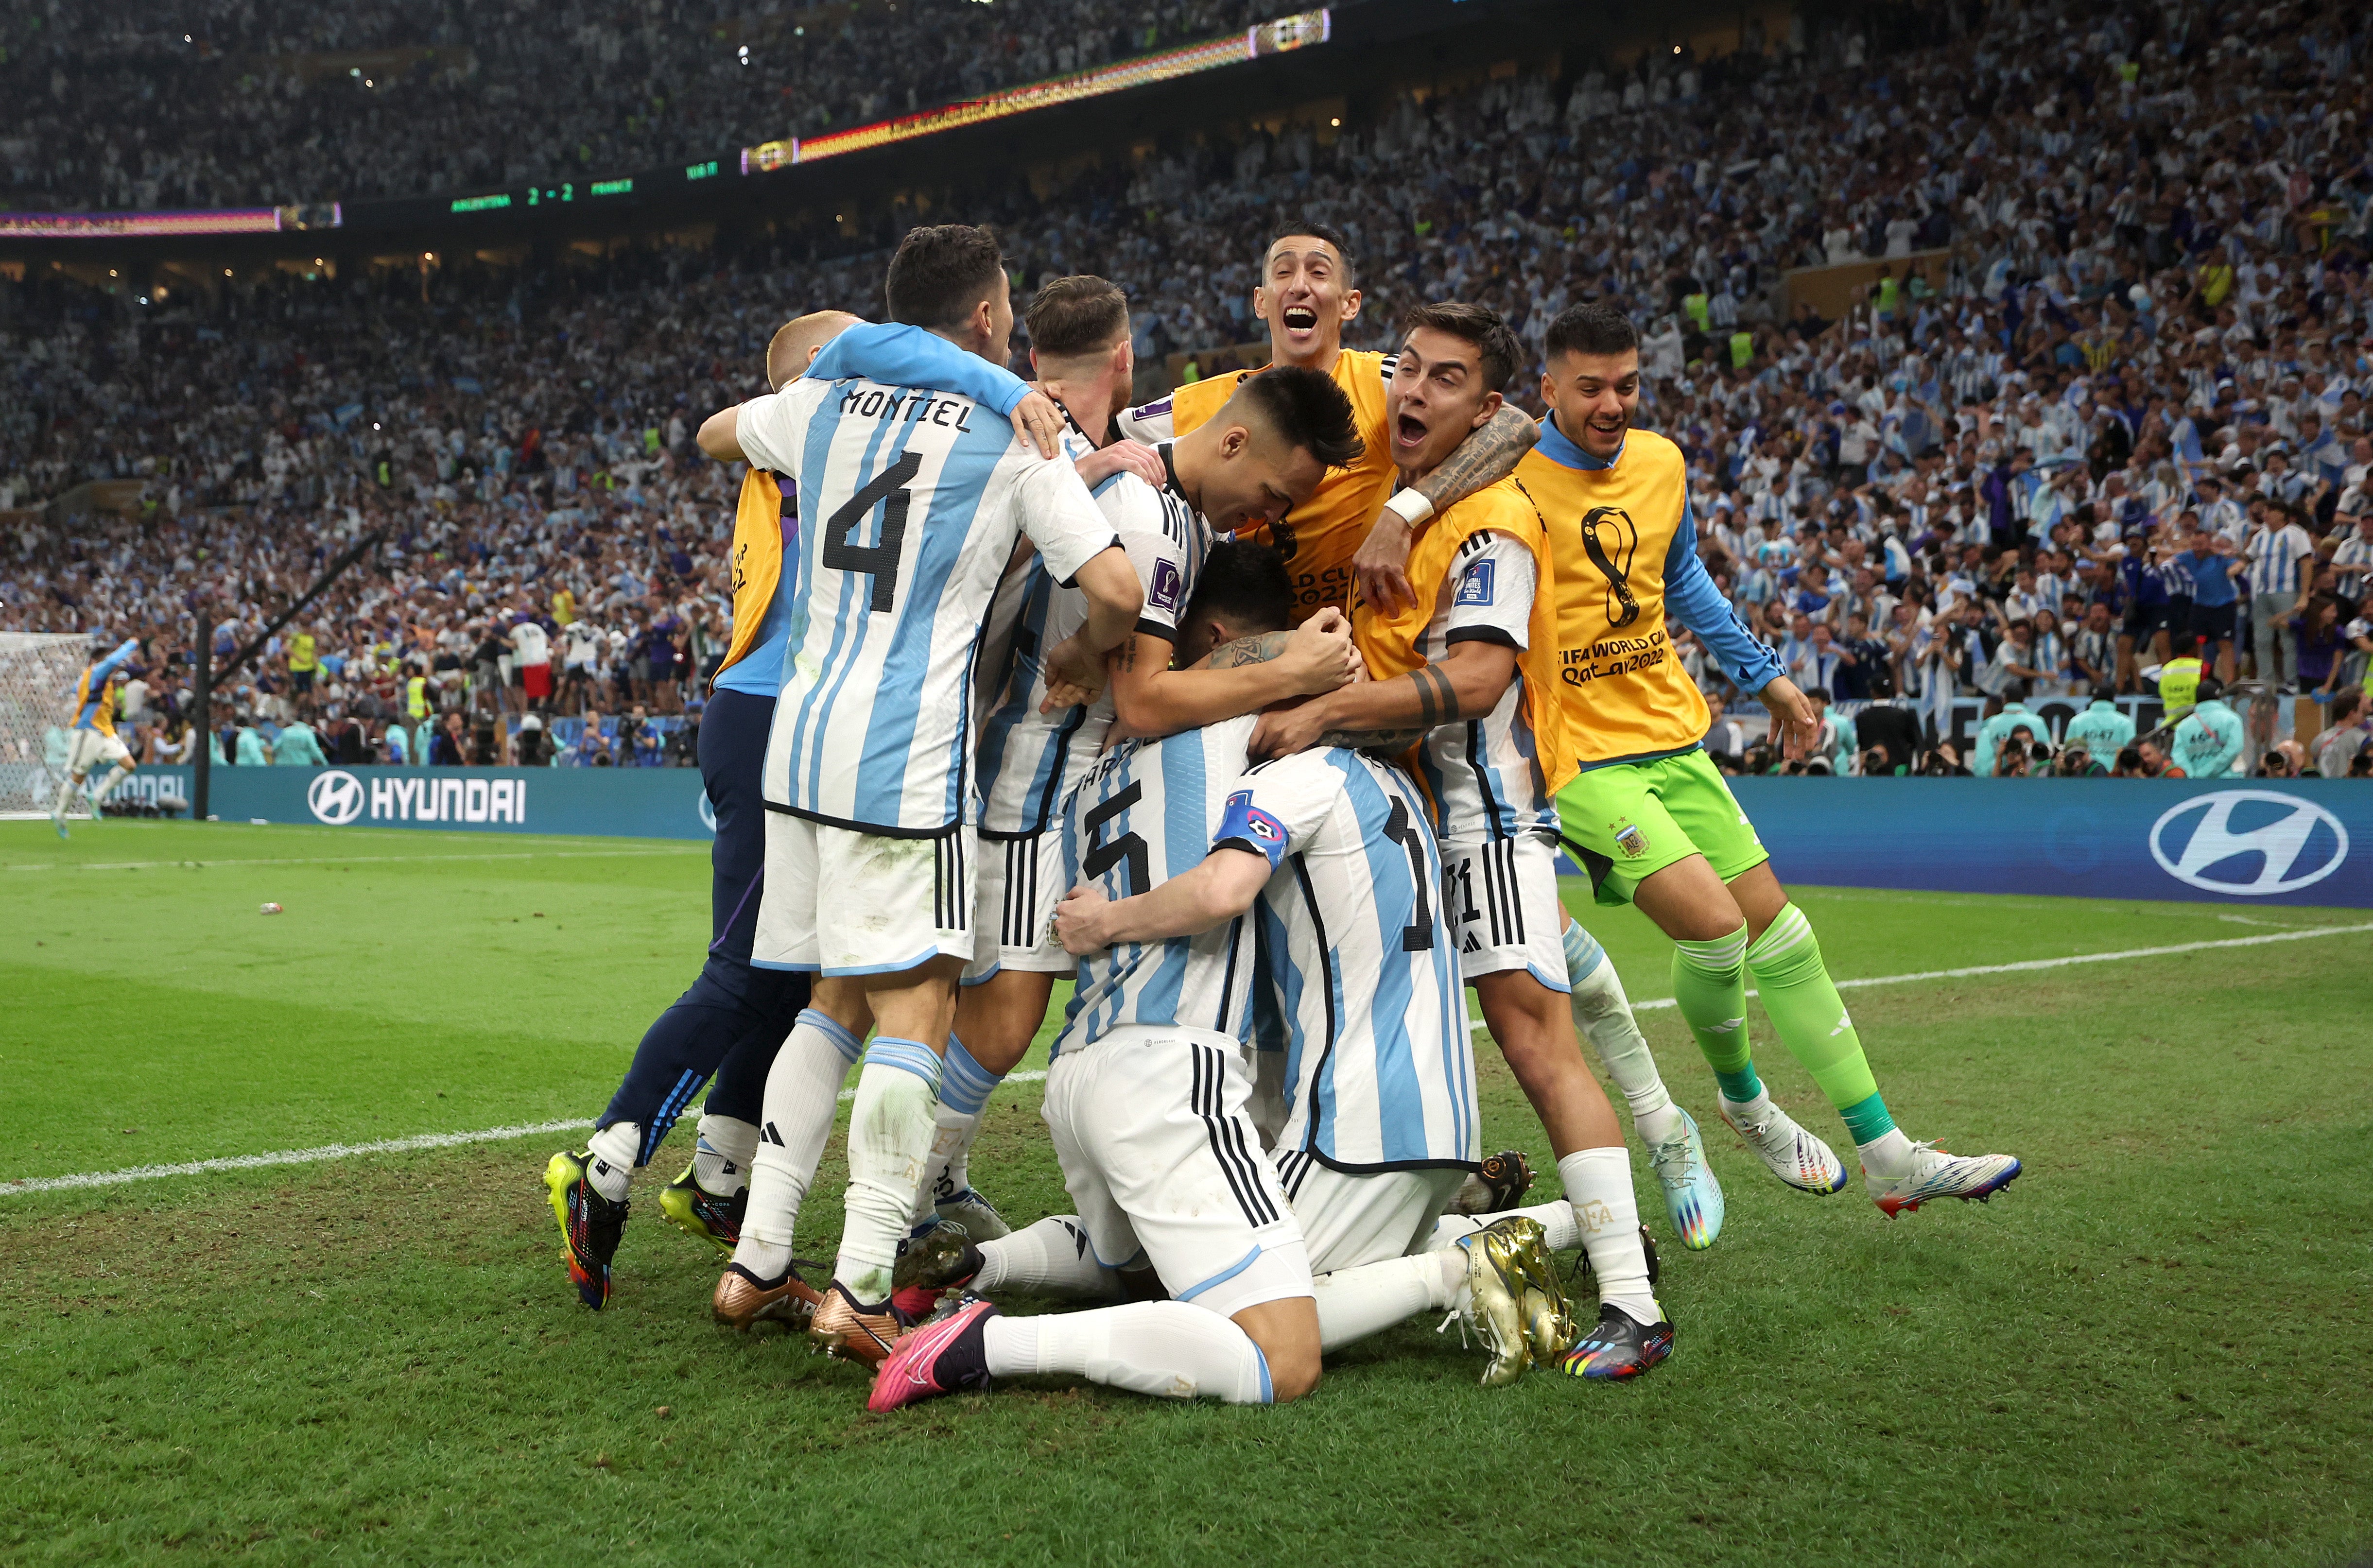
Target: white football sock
<point x="66" y="796"/>
<point x="801" y="1098"/>
<point x="1599" y="1186"/>
<point x="612" y="1161"/>
<point x="1887" y="1156"/>
<point x="890" y="1132"/>
<point x="965" y="1089"/>
<point x="1356" y="1303"/>
<point x="721" y="1155"/>
<point x="98" y="796"/>
<point x="1050" y="1258"/>
<point x="1603" y="1015"/>
<point x="1556" y="1218"/>
<point x="1167" y="1349"/>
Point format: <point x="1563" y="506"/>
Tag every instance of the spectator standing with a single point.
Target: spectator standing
<point x="2214" y="569"/>
<point x="531" y="658"/>
<point x="2277" y="549"/>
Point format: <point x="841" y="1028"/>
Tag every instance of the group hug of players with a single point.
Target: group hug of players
<point x="1260" y="712"/>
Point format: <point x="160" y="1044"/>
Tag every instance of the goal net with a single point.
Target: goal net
<point x="38" y="671"/>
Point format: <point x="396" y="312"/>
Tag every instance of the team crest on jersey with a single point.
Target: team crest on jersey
<point x="1631" y="840"/>
<point x="1164" y="591"/>
<point x="1475" y="587"/>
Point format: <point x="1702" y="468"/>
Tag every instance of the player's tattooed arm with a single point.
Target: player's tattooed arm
<point x="1391" y="715"/>
<point x="1489" y="454"/>
<point x="1150" y="698"/>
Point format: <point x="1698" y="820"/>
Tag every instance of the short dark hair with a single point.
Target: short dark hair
<point x="1305" y="409"/>
<point x="1247" y="583"/>
<point x="2209" y="690"/>
<point x="1477" y="326"/>
<point x="1326" y="231"/>
<point x="1071" y="316"/>
<point x="940" y="272"/>
<point x="1590" y="329"/>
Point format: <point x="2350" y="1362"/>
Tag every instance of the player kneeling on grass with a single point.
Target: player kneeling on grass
<point x="94" y="740"/>
<point x="1148" y="1114"/>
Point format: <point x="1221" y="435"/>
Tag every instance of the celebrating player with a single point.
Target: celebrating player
<point x="1307" y="294"/>
<point x="92" y="734"/>
<point x="1470" y="667"/>
<point x="918" y="502"/>
<point x="733" y="1019"/>
<point x="1269" y="448"/>
<point x="1649" y="816"/>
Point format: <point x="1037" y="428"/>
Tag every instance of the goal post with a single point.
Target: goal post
<point x="38" y="671"/>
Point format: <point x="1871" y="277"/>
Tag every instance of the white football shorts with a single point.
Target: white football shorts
<point x="92" y="747"/>
<point x="839" y="902"/>
<point x="1350" y="1219"/>
<point x="1500" y="898"/>
<point x="1165" y="1170"/>
<point x="1019" y="882"/>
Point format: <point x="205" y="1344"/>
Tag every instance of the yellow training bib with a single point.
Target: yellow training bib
<point x="1609" y="530"/>
<point x="1319" y="537"/>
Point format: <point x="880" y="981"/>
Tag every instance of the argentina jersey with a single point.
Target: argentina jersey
<point x="912" y="502"/>
<point x="1379" y="1072"/>
<point x="1029" y="760"/>
<point x="1144" y="812"/>
<point x="1485" y="775"/>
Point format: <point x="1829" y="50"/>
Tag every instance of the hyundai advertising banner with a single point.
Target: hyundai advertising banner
<point x="2237" y="841"/>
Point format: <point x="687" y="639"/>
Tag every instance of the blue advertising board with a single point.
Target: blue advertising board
<point x="2228" y="841"/>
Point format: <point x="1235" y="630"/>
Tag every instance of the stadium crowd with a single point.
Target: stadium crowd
<point x="2117" y="411"/>
<point x="241" y="104"/>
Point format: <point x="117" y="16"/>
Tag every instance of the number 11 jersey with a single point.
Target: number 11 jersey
<point x="912" y="502"/>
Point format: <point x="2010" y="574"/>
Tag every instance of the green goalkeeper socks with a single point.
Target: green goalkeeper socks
<point x="1709" y="988"/>
<point x="1812" y="1021"/>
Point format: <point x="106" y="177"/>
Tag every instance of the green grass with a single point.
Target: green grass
<point x="2152" y="1348"/>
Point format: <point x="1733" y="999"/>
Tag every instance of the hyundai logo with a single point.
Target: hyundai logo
<point x="335" y="797"/>
<point x="2289" y="843"/>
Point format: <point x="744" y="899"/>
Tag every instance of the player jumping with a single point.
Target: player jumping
<point x="1648" y="814"/>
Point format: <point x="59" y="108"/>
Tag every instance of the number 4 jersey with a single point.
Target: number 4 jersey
<point x="912" y="501"/>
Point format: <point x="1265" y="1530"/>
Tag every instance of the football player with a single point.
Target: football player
<point x="92" y="736"/>
<point x="1309" y="292"/>
<point x="915" y="500"/>
<point x="1649" y="816"/>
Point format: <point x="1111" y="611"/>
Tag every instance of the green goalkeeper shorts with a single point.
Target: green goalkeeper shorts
<point x="1630" y="820"/>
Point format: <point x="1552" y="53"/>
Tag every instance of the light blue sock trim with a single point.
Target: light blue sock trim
<point x="1583" y="954"/>
<point x="906" y="1055"/>
<point x="1269" y="1394"/>
<point x="964" y="1084"/>
<point x="848" y="1045"/>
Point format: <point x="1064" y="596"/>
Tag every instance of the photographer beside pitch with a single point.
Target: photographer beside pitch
<point x="1649" y="816"/>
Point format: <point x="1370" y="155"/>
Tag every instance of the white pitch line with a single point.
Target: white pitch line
<point x="337" y="1152"/>
<point x="351" y="859"/>
<point x="289" y="1156"/>
<point x="2027" y="965"/>
<point x="496" y="1134"/>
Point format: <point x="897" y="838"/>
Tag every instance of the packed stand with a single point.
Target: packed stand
<point x="241" y="104"/>
<point x="2131" y="417"/>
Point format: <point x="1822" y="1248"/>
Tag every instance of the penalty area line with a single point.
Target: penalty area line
<point x="336" y="1152"/>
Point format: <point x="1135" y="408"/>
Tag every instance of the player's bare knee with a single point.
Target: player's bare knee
<point x="1286" y="1331"/>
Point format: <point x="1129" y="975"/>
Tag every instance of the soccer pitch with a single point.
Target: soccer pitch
<point x="2152" y="1348"/>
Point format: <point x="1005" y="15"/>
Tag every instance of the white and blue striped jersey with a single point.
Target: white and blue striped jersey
<point x="2275" y="555"/>
<point x="1029" y="760"/>
<point x="1144" y="812"/>
<point x="1485" y="774"/>
<point x="1380" y="1072"/>
<point x="912" y="501"/>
